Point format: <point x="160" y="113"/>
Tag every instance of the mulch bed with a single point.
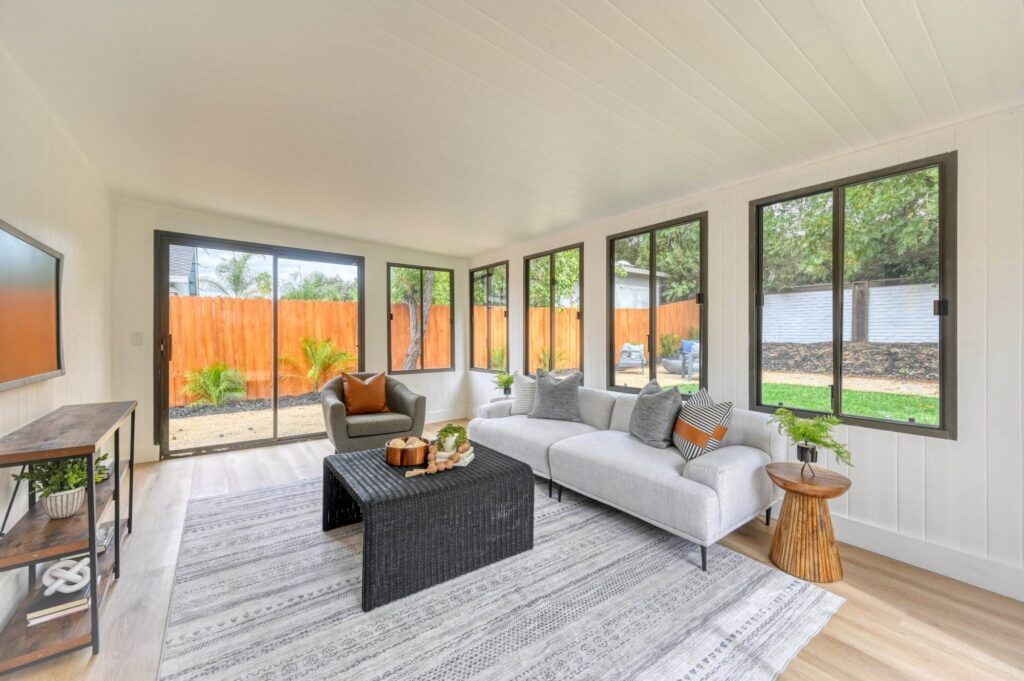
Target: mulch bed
<point x="917" y="361"/>
<point x="242" y="405"/>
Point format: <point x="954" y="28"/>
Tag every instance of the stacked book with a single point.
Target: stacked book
<point x="48" y="608"/>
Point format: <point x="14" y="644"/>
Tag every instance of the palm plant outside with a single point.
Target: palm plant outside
<point x="215" y="385"/>
<point x="237" y="277"/>
<point x="322" y="359"/>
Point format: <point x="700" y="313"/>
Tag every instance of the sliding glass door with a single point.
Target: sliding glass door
<point x="246" y="336"/>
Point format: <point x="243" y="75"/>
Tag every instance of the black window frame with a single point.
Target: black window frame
<point x="472" y="317"/>
<point x="451" y="318"/>
<point x="945" y="306"/>
<point x="526" y="302"/>
<point x="651" y="230"/>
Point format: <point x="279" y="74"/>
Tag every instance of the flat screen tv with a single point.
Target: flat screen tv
<point x="30" y="338"/>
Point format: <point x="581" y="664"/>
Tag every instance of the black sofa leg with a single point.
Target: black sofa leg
<point x="559" y="492"/>
<point x="704" y="558"/>
<point x="549" y="488"/>
<point x="768" y="516"/>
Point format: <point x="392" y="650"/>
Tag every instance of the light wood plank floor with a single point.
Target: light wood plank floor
<point x="899" y="622"/>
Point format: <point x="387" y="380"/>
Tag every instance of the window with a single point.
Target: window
<point x="488" y="322"/>
<point x="420" y="319"/>
<point x="853" y="301"/>
<point x="554" y="310"/>
<point x="656" y="312"/>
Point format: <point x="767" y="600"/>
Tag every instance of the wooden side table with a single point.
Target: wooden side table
<point x="804" y="544"/>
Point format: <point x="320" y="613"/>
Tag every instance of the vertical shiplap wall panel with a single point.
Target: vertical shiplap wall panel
<point x="964" y="494"/>
<point x="1006" y="225"/>
<point x="972" y="314"/>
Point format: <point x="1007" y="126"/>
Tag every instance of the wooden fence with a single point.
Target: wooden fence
<point x="238" y="331"/>
<point x="499" y="341"/>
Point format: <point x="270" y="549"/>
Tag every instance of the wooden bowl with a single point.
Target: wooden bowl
<point x="406" y="456"/>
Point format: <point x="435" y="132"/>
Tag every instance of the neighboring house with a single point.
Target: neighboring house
<point x="633" y="290"/>
<point x="183" y="271"/>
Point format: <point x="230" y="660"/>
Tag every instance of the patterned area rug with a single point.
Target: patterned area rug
<point x="261" y="593"/>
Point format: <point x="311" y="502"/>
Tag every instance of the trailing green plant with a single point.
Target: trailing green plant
<point x="63" y="475"/>
<point x="668" y="345"/>
<point x="215" y="384"/>
<point x="504" y="380"/>
<point x="816" y="431"/>
<point x="498" y="357"/>
<point x="450" y="429"/>
<point x="322" y="358"/>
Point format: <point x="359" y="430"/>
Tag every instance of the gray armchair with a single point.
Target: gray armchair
<point x="366" y="431"/>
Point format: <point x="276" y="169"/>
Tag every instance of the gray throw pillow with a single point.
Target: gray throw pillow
<point x="524" y="391"/>
<point x="557" y="399"/>
<point x="654" y="415"/>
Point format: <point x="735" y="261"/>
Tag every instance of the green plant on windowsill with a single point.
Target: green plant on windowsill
<point x="809" y="434"/>
<point x="504" y="380"/>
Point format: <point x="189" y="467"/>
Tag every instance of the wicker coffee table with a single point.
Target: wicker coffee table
<point x="418" y="532"/>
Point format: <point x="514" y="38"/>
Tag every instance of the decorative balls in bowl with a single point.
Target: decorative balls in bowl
<point x="410" y="451"/>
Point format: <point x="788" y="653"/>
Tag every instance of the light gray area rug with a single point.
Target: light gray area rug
<point x="262" y="593"/>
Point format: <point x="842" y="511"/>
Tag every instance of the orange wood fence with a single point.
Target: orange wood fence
<point x="499" y="343"/>
<point x="238" y="331"/>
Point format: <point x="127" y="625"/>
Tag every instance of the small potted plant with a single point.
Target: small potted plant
<point x="60" y="485"/>
<point x="809" y="434"/>
<point x="451" y="437"/>
<point x="504" y="380"/>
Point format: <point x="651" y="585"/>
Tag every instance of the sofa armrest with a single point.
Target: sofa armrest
<point x="736" y="473"/>
<point x="335" y="418"/>
<point x="495" y="410"/>
<point x="402" y="400"/>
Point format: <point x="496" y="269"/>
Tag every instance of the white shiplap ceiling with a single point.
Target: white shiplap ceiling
<point x="463" y="126"/>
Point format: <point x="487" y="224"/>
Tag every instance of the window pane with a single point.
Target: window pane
<point x="222" y="368"/>
<point x="404" y="327"/>
<point x="538" y="329"/>
<point x="437" y="311"/>
<point x="317" y="337"/>
<point x="796" y="329"/>
<point x="890" y="278"/>
<point x="497" y="324"/>
<point x="480" y="320"/>
<point x="678" y="283"/>
<point x="631" y="280"/>
<point x="568" y="317"/>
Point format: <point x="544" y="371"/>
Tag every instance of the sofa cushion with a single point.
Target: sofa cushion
<point x="361" y="425"/>
<point x="596" y="407"/>
<point x="737" y="475"/>
<point x="617" y="469"/>
<point x="525" y="439"/>
<point x="557" y="399"/>
<point x="622" y="412"/>
<point x="700" y="428"/>
<point x="654" y="415"/>
<point x="365" y="396"/>
<point x="524" y="392"/>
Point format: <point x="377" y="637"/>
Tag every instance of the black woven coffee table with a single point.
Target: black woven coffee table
<point x="418" y="532"/>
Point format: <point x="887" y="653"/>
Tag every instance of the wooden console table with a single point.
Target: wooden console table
<point x="804" y="544"/>
<point x="71" y="431"/>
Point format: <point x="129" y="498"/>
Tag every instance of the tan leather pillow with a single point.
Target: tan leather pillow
<point x="364" y="397"/>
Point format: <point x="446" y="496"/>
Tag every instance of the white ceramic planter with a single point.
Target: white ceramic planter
<point x="63" y="504"/>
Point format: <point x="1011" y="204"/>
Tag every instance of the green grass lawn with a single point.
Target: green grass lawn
<point x="875" y="405"/>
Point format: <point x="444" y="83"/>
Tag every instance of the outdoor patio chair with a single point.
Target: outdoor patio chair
<point x="631" y="355"/>
<point x="689" y="350"/>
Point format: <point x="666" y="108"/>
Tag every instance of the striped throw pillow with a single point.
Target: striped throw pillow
<point x="699" y="398"/>
<point x="700" y="428"/>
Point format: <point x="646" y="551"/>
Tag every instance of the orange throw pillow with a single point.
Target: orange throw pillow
<point x="364" y="397"/>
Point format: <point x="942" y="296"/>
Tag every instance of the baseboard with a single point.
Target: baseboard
<point x="452" y="414"/>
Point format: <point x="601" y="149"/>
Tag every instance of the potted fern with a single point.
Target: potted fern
<point x="504" y="380"/>
<point x="60" y="485"/>
<point x="809" y="434"/>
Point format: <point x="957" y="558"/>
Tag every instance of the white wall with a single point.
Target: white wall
<point x="50" y="192"/>
<point x="134" y="224"/>
<point x="951" y="507"/>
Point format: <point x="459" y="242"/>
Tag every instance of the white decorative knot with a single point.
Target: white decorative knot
<point x="66" y="576"/>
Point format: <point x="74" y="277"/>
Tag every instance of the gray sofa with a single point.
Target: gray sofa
<point x="355" y="432"/>
<point x="702" y="500"/>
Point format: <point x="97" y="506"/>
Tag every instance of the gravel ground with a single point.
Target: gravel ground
<point x="243" y="405"/>
<point x="209" y="430"/>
